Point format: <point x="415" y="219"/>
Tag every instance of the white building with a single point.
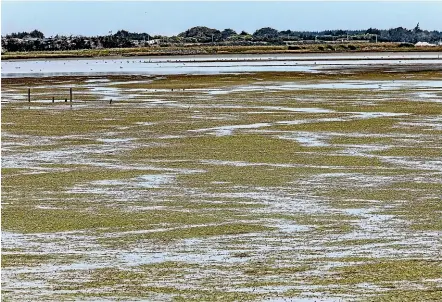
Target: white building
<point x="154" y="41"/>
<point x="424" y="44"/>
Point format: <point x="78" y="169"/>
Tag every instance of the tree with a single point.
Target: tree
<point x="400" y="34"/>
<point x="122" y="34"/>
<point x="225" y="34"/>
<point x="340" y="32"/>
<point x="202" y="34"/>
<point x="266" y="32"/>
<point x="37" y="34"/>
<point x="417" y="28"/>
<point x="373" y="31"/>
<point x="287" y="32"/>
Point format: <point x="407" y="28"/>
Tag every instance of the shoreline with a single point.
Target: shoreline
<point x="221" y="64"/>
<point x="285" y="59"/>
<point x="383" y="72"/>
<point x="325" y="72"/>
<point x="114" y="53"/>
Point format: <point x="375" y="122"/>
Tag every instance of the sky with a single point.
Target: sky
<point x="170" y="18"/>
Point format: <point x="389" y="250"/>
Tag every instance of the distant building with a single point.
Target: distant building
<point x="424" y="44"/>
<point x="154" y="41"/>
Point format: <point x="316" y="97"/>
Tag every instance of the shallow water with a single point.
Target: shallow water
<point x="368" y="85"/>
<point x="207" y="64"/>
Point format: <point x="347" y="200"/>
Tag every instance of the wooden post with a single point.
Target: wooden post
<point x="70" y="94"/>
<point x="29" y="94"/>
<point x="53" y="99"/>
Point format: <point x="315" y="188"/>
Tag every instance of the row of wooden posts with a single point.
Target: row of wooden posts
<point x="53" y="98"/>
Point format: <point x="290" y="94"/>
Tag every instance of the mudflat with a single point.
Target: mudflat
<point x="317" y="185"/>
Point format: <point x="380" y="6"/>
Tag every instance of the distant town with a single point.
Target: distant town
<point x="200" y="35"/>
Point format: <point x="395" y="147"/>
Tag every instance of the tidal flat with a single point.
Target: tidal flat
<point x="267" y="186"/>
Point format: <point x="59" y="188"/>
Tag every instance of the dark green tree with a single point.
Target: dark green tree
<point x="37" y="34"/>
<point x="225" y="34"/>
<point x="266" y="32"/>
<point x="373" y="31"/>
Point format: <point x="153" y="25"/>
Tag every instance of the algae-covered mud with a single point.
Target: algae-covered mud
<point x="273" y="186"/>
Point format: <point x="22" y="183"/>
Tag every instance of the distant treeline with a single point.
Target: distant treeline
<point x="36" y="40"/>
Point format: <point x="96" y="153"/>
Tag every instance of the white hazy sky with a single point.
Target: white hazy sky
<point x="171" y="18"/>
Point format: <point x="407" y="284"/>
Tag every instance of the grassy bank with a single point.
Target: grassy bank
<point x="210" y="49"/>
